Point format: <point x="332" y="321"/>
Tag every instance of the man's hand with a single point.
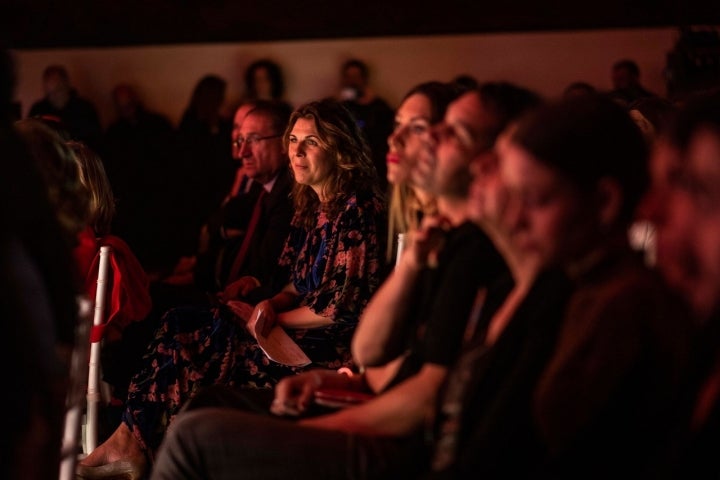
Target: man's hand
<point x="294" y="394"/>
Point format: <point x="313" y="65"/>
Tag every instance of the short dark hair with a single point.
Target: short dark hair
<point x="629" y="65"/>
<point x="360" y="65"/>
<point x="279" y="113"/>
<point x="507" y="102"/>
<point x="579" y="87"/>
<point x="275" y="73"/>
<point x="58" y="70"/>
<point x="465" y="81"/>
<point x="587" y="139"/>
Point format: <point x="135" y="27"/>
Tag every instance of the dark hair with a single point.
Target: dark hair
<point x="360" y="65"/>
<point x="58" y="70"/>
<point x="440" y="94"/>
<point x="579" y="88"/>
<point x="506" y="101"/>
<point x="353" y="169"/>
<point x="277" y="111"/>
<point x="208" y="92"/>
<point x="39" y="287"/>
<point x="587" y="139"/>
<point x="465" y="81"/>
<point x="629" y="65"/>
<point x="275" y="73"/>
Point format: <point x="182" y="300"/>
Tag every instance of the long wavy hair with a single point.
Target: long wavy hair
<point x="92" y="175"/>
<point x="353" y="169"/>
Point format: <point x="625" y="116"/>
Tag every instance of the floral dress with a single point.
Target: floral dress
<point x="335" y="266"/>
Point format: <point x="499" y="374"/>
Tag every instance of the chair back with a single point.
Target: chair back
<point x="94" y="393"/>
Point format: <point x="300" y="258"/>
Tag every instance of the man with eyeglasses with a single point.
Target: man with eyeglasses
<point x="257" y="145"/>
<point x="261" y="214"/>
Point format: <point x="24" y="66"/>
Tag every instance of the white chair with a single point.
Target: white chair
<point x="96" y="389"/>
<point x="85" y="374"/>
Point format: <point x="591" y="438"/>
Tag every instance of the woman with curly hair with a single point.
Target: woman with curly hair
<point x="333" y="255"/>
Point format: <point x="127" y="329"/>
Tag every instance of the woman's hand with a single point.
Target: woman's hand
<point x="262" y="319"/>
<point x="426" y="242"/>
<point x="239" y="288"/>
<point x="294" y="394"/>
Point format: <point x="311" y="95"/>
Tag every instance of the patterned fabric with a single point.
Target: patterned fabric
<point x="336" y="267"/>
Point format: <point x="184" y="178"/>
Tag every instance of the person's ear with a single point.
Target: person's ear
<point x="610" y="200"/>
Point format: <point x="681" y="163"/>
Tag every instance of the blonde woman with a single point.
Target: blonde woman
<point x="421" y="108"/>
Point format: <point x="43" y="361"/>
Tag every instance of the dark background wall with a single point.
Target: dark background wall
<point x="83" y="23"/>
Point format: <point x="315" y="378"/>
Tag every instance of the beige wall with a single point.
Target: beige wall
<point x="166" y="75"/>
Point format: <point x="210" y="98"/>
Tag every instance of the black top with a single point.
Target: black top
<point x="446" y="295"/>
<point x="484" y="419"/>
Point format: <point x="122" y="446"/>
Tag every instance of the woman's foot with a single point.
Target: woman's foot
<point x="119" y="446"/>
<point x="129" y="469"/>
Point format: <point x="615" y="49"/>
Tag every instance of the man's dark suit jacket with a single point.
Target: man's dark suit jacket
<point x="269" y="239"/>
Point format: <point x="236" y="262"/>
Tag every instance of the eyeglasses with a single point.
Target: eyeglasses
<point x="251" y="140"/>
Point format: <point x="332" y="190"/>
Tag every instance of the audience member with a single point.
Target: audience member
<point x="257" y="274"/>
<point x="80" y="192"/>
<point x="578" y="89"/>
<point x="422" y="107"/>
<point x="626" y="84"/>
<point x="62" y="101"/>
<point x="607" y="393"/>
<point x="206" y="166"/>
<point x="372" y="113"/>
<point x="213" y="234"/>
<point x="382" y="438"/>
<point x="264" y="80"/>
<point x="333" y="254"/>
<point x="465" y="81"/>
<point x="140" y="156"/>
<point x="490" y="429"/>
<point x="38" y="297"/>
<point x="688" y="221"/>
